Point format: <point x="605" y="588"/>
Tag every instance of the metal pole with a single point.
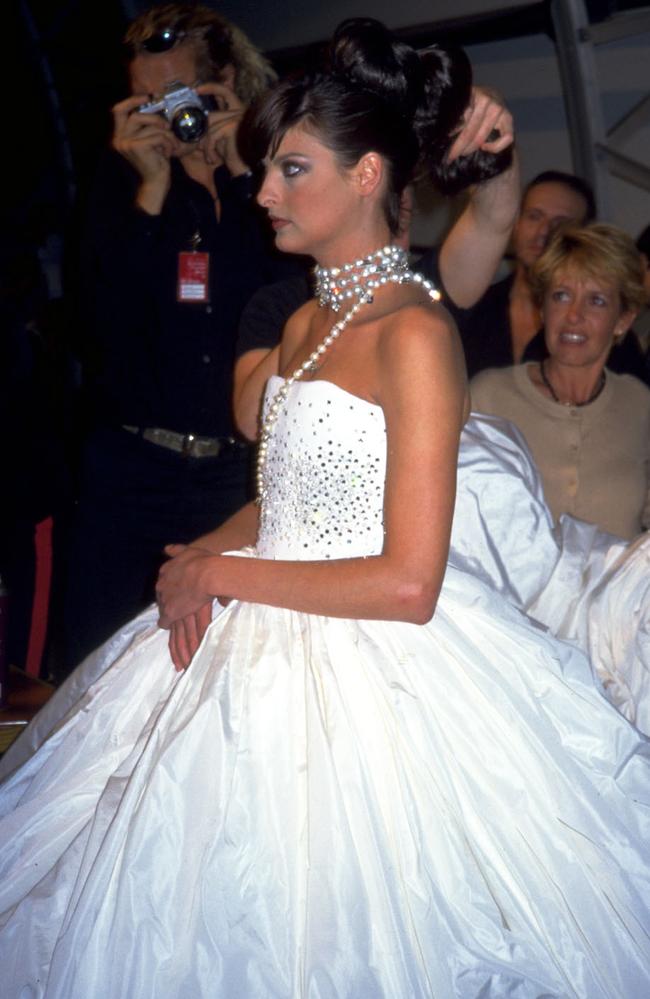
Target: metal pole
<point x="581" y="96"/>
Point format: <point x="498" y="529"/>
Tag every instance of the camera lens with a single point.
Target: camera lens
<point x="189" y="124"/>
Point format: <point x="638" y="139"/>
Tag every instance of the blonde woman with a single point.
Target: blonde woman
<point x="587" y="427"/>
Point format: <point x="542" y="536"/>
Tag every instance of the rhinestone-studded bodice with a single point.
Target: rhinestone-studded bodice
<point x="324" y="475"/>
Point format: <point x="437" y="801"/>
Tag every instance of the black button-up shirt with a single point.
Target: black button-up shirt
<point x="155" y="362"/>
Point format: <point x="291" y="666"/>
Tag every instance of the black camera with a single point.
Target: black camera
<point x="185" y="110"/>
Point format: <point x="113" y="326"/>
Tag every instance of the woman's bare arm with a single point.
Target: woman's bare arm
<point x="252" y="371"/>
<point x="422" y="391"/>
<point x="474" y="247"/>
<point x="254" y="368"/>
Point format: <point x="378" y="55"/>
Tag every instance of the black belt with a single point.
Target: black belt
<point x="189" y="445"/>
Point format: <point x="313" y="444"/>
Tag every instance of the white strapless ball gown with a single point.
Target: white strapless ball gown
<point x="333" y="809"/>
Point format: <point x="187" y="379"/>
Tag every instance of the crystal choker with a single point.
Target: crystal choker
<point x="338" y="286"/>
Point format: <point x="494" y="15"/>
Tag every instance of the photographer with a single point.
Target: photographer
<point x="172" y="251"/>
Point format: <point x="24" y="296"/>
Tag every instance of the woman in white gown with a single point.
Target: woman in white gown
<point x="370" y="782"/>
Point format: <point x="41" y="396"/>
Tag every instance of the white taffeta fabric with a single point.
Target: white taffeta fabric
<point x="327" y="808"/>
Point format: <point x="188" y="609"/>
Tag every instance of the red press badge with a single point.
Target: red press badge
<point x="193" y="270"/>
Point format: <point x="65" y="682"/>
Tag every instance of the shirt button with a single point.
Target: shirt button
<point x="206" y="358"/>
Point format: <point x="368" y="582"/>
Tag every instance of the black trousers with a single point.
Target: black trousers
<point x="135" y="498"/>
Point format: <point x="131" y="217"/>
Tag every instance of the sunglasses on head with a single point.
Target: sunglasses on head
<point x="163" y="41"/>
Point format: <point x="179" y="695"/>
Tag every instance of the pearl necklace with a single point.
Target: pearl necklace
<point x="594" y="395"/>
<point x="388" y="265"/>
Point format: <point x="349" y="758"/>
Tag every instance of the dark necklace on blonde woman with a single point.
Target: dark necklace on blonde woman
<point x="594" y="395"/>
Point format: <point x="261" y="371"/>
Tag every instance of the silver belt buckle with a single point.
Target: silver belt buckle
<point x="187" y="446"/>
<point x="200" y="447"/>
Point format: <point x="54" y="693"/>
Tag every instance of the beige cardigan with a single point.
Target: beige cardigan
<point x="594" y="460"/>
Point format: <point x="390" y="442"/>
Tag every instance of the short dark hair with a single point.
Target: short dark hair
<point x="576" y="184"/>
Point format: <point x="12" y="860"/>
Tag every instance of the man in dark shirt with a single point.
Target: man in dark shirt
<point x="173" y="250"/>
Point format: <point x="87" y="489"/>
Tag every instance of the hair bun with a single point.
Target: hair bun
<point x="430" y="91"/>
<point x="373" y="92"/>
<point x="364" y="52"/>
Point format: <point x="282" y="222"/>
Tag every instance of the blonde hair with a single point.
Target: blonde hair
<point x="216" y="41"/>
<point x="598" y="250"/>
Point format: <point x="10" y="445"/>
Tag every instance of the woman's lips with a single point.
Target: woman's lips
<point x="278" y="223"/>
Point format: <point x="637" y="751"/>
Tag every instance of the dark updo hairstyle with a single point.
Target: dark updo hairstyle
<point x="375" y="93"/>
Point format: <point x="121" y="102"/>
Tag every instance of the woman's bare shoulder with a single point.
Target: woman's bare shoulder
<point x="420" y="329"/>
<point x="420" y="357"/>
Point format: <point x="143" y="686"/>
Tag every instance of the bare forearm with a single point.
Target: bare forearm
<point x="496" y="202"/>
<point x="368" y="588"/>
<point x="474" y="247"/>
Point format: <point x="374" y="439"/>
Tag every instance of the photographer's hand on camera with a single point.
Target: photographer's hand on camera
<point x="147" y="142"/>
<point x="219" y="144"/>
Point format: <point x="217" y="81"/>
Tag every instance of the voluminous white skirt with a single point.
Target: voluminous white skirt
<point x="327" y="808"/>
